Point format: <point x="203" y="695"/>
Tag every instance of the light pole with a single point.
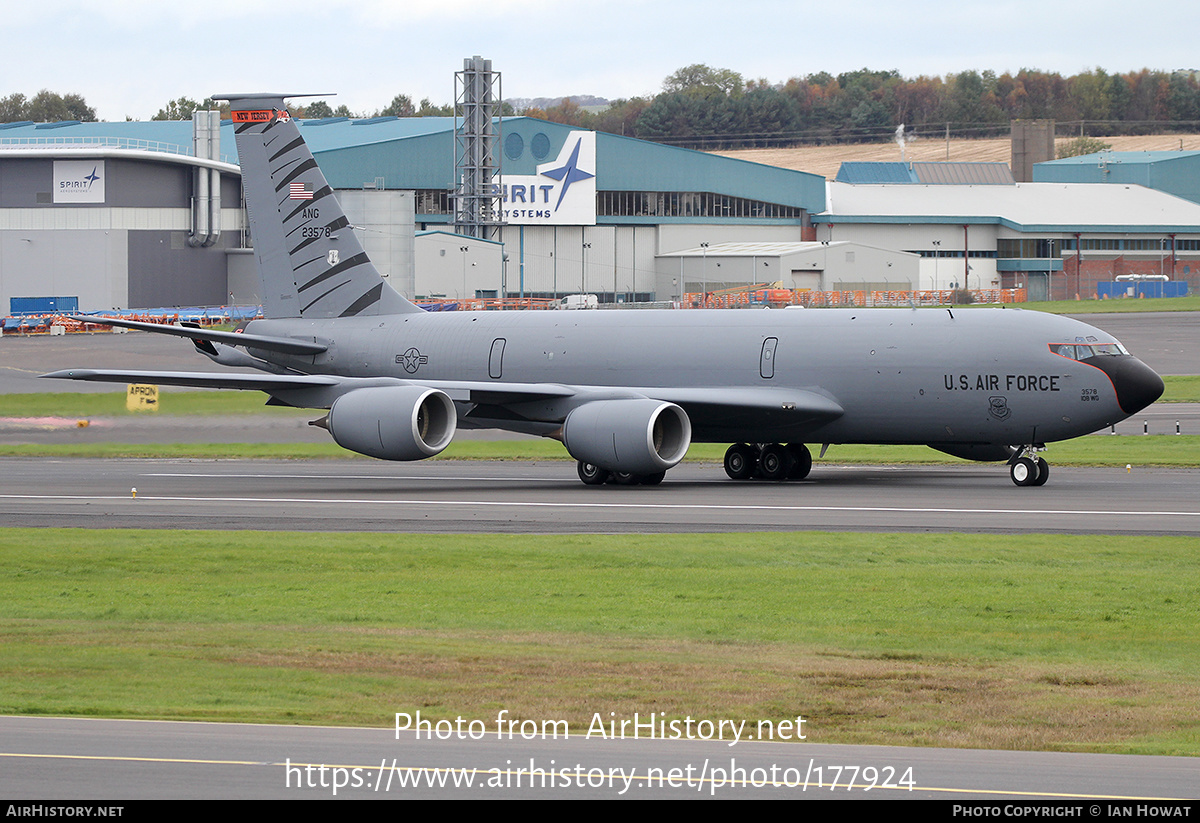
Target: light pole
<point x="937" y="252"/>
<point x="704" y="273"/>
<point x="583" y="270"/>
<point x="463" y="294"/>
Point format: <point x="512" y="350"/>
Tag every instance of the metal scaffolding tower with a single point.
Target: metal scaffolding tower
<point x="476" y="141"/>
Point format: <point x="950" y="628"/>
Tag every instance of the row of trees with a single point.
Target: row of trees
<point x="401" y="106"/>
<point x="710" y="107"/>
<point x="44" y="107"/>
<point x="706" y="107"/>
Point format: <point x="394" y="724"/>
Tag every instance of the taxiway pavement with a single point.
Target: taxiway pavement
<point x="73" y="758"/>
<point x="445" y="496"/>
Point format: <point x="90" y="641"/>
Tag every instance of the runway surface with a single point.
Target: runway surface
<point x="513" y="497"/>
<point x="1164" y="341"/>
<point x="69" y="758"/>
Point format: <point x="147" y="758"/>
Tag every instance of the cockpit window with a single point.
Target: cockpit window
<point x="1076" y="351"/>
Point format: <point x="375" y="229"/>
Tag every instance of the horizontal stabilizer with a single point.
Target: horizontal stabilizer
<point x="200" y="380"/>
<point x="285" y="345"/>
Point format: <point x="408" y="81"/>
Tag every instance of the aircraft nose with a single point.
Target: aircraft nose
<point x="1137" y="384"/>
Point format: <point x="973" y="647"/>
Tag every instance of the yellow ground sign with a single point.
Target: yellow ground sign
<point x="140" y="397"/>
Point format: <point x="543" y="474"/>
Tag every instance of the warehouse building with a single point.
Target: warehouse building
<point x="1172" y="172"/>
<point x="1056" y="240"/>
<point x="118" y="215"/>
<point x="90" y="221"/>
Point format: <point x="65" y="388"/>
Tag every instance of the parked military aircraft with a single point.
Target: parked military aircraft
<point x="628" y="391"/>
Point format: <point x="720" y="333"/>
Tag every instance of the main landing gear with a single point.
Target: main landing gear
<point x="769" y="461"/>
<point x="593" y="475"/>
<point x="1027" y="469"/>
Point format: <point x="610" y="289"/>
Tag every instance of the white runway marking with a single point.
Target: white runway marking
<point x="387" y="477"/>
<point x="608" y="504"/>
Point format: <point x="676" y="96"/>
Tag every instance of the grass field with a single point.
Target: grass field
<point x="1150" y="450"/>
<point x="1189" y="303"/>
<point x="112" y="404"/>
<point x="825" y="160"/>
<point x="1033" y="642"/>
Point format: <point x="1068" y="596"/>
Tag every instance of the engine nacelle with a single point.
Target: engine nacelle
<point x="639" y="436"/>
<point x="393" y="422"/>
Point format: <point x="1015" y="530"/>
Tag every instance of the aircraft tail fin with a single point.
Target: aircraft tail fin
<point x="309" y="260"/>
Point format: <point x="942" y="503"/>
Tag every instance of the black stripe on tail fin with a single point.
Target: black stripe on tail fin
<point x="301" y="236"/>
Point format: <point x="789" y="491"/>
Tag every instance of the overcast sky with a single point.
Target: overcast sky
<point x="129" y="57"/>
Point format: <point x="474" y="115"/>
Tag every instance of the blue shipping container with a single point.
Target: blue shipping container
<point x="42" y="305"/>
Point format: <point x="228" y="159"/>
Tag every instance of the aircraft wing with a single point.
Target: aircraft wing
<point x="320" y="390"/>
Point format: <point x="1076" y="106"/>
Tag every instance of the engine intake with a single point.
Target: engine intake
<point x="638" y="435"/>
<point x="393" y="422"/>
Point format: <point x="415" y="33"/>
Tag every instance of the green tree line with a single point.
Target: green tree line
<point x="705" y="107"/>
<point x="401" y="106"/>
<point x="44" y="107"/>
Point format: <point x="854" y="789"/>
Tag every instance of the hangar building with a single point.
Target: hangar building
<point x="1057" y="240"/>
<point x="1173" y="172"/>
<point x="105" y="219"/>
<point x="119" y="215"/>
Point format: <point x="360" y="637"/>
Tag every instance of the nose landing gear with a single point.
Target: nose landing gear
<point x="1027" y="469"/>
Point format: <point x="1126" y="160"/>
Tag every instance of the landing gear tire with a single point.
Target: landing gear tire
<point x="653" y="479"/>
<point x="1024" y="472"/>
<point x="801" y="461"/>
<point x="740" y="461"/>
<point x="593" y="475"/>
<point x="774" y="462"/>
<point x="1043" y="473"/>
<point x="626" y="478"/>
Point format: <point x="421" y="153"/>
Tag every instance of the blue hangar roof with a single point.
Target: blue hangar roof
<point x="1173" y="172"/>
<point x="418" y="153"/>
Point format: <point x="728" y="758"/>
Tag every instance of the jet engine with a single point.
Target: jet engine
<point x="637" y="435"/>
<point x="393" y="422"/>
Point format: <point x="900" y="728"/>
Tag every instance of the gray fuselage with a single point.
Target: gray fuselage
<point x="984" y="376"/>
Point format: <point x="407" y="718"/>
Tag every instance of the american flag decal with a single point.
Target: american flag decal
<point x="299" y="191"/>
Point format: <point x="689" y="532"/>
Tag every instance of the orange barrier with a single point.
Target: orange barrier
<point x="857" y="299"/>
<point x="489" y="304"/>
<point x="33" y="324"/>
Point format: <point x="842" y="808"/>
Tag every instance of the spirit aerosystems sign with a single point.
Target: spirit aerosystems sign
<point x="78" y="181"/>
<point x="562" y="193"/>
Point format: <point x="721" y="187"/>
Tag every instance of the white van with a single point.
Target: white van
<point x="579" y="301"/>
